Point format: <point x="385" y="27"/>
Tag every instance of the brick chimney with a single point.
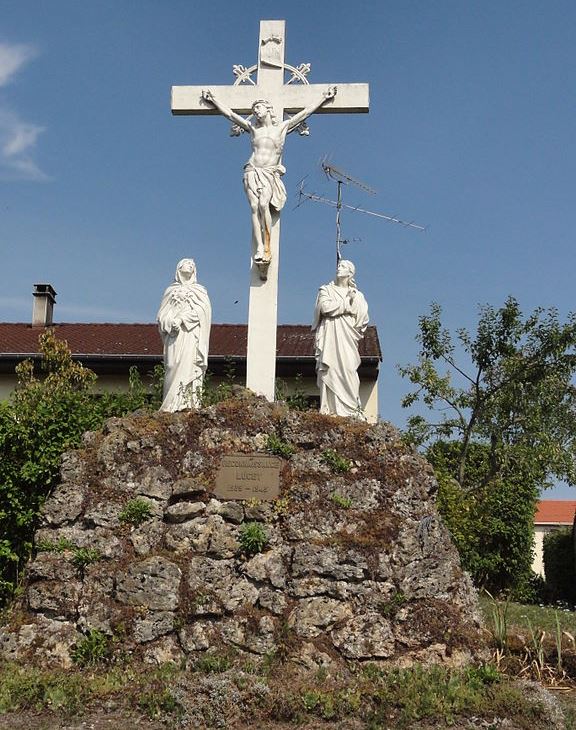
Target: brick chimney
<point x="44" y="300"/>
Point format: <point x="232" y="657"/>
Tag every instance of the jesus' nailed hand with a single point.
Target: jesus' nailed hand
<point x="263" y="171"/>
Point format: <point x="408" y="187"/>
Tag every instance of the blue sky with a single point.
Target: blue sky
<point x="470" y="131"/>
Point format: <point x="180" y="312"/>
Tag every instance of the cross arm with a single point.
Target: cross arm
<point x="292" y="98"/>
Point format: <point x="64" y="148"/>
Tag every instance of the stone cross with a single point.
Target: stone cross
<point x="292" y="97"/>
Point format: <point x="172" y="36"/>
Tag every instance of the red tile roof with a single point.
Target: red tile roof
<point x="555" y="512"/>
<point x="227" y="340"/>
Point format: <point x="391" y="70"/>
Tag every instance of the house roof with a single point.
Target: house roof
<point x="117" y="340"/>
<point x="555" y="512"/>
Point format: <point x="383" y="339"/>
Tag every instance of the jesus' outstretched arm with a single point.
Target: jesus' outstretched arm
<point x="208" y="96"/>
<point x="294" y="121"/>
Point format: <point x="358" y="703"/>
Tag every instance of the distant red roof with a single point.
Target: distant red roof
<point x="555" y="512"/>
<point x="115" y="340"/>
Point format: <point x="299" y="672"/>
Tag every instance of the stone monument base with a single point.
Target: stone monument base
<point x="349" y="564"/>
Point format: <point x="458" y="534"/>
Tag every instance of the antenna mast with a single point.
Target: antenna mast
<point x="343" y="178"/>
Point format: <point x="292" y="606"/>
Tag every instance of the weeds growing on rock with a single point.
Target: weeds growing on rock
<point x="391" y="608"/>
<point x="47" y="546"/>
<point x="252" y="538"/>
<point x="84" y="556"/>
<point x="212" y="664"/>
<point x="95" y="648"/>
<point x="135" y="512"/>
<point x="340" y="501"/>
<point x="276" y="446"/>
<point x="338" y="464"/>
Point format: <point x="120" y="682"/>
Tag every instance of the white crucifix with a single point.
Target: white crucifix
<point x="267" y="101"/>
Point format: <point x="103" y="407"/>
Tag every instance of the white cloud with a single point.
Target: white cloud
<point x="17" y="142"/>
<point x="12" y="58"/>
<point x="17" y="137"/>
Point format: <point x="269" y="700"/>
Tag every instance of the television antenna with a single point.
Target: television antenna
<point x="343" y="178"/>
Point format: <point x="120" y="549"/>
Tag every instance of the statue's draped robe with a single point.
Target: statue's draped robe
<point x="337" y="357"/>
<point x="185" y="343"/>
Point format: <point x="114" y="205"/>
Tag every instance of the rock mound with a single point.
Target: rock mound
<point x="356" y="565"/>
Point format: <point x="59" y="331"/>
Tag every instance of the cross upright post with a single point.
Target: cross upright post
<point x="262" y="173"/>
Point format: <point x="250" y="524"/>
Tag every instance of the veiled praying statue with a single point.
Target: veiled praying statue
<point x="340" y="321"/>
<point x="184" y="320"/>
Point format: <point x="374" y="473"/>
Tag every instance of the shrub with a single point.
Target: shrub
<point x="559" y="564"/>
<point x="44" y="417"/>
<point x="253" y="538"/>
<point x="491" y="523"/>
<point x="135" y="512"/>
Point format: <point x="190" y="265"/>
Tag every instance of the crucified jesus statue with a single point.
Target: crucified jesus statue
<point x="263" y="171"/>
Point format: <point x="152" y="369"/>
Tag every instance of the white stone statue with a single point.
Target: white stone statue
<point x="263" y="171"/>
<point x="184" y="320"/>
<point x="340" y="321"/>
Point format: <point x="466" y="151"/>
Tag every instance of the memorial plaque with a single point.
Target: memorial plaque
<point x="248" y="476"/>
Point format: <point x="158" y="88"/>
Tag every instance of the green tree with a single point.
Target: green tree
<point x="501" y="427"/>
<point x="47" y="414"/>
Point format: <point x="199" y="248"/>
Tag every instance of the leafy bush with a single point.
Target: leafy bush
<point x="559" y="564"/>
<point x="46" y="415"/>
<point x="492" y="522"/>
<point x="135" y="512"/>
<point x="253" y="538"/>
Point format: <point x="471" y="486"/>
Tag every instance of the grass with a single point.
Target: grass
<point x="519" y="614"/>
<point x="535" y="642"/>
<point x="374" y="699"/>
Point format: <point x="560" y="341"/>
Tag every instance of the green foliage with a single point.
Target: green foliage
<point x="95" y="648"/>
<point x="30" y="688"/>
<point x="492" y="524"/>
<point x="391" y="608"/>
<point x="211" y="394"/>
<point x="47" y="546"/>
<point x="515" y="393"/>
<point x="502" y="400"/>
<point x="212" y="664"/>
<point x="85" y="556"/>
<point x="47" y="414"/>
<point x="295" y="398"/>
<point x="340" y="501"/>
<point x="135" y="512"/>
<point x="337" y="463"/>
<point x="559" y="564"/>
<point x="253" y="538"/>
<point x="159" y="702"/>
<point x="276" y="446"/>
